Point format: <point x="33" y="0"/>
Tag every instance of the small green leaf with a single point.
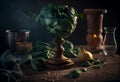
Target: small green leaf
<point x="85" y="64"/>
<point x="74" y="74"/>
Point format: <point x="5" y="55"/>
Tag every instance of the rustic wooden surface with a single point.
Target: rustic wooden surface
<point x="107" y="73"/>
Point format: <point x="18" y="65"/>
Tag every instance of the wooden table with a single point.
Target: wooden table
<point x="109" y="72"/>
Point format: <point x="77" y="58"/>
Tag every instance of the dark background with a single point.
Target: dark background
<point x="12" y="16"/>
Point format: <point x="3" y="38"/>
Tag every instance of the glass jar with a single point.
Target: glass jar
<point x="109" y="42"/>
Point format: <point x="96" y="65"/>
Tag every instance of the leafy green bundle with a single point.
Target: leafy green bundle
<point x="60" y="21"/>
<point x="43" y="51"/>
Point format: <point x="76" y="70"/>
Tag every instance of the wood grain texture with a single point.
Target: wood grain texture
<point x="107" y="73"/>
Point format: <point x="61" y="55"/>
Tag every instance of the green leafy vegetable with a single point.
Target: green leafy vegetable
<point x="85" y="64"/>
<point x="74" y="73"/>
<point x="70" y="51"/>
<point x="42" y="46"/>
<point x="96" y="61"/>
<point x="68" y="45"/>
<point x="46" y="51"/>
<point x="60" y="21"/>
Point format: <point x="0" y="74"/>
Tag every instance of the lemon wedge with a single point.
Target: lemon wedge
<point x="84" y="55"/>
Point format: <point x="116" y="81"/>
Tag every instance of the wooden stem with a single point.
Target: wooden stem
<point x="59" y="49"/>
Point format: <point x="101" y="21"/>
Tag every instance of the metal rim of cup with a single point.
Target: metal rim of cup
<point x="27" y="31"/>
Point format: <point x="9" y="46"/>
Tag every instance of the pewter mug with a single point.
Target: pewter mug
<point x="13" y="36"/>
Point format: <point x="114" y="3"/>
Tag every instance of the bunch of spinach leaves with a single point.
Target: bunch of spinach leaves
<point x="43" y="51"/>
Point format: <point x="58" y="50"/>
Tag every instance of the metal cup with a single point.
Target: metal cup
<point x="13" y="36"/>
